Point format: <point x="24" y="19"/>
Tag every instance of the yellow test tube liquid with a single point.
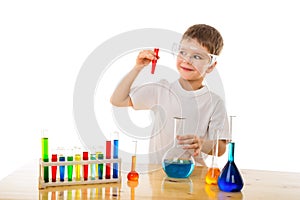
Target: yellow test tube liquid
<point x="77" y="168"/>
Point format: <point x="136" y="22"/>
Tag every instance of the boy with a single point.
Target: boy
<point x="186" y="97"/>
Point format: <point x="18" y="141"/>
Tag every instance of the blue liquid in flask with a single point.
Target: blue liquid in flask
<point x="178" y="168"/>
<point x="230" y="179"/>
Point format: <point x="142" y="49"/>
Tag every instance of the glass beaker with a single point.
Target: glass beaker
<point x="178" y="162"/>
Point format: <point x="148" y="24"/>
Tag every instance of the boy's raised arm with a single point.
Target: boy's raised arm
<point x="120" y="96"/>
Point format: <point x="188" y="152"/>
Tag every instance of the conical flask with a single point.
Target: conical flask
<point x="230" y="179"/>
<point x="177" y="162"/>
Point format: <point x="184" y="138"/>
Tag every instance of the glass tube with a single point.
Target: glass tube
<point x="100" y="166"/>
<point x="115" y="154"/>
<point x="53" y="168"/>
<point x="85" y="156"/>
<point x="108" y="156"/>
<point x="70" y="169"/>
<point x="62" y="168"/>
<point x="45" y="155"/>
<point x="77" y="166"/>
<point x="70" y="158"/>
<point x="93" y="166"/>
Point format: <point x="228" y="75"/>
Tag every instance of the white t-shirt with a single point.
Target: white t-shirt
<point x="204" y="112"/>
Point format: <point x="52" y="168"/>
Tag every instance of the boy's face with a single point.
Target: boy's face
<point x="193" y="60"/>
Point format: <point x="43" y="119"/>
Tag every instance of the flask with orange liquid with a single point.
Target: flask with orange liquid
<point x="213" y="172"/>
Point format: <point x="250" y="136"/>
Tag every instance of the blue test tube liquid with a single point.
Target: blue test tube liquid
<point x="62" y="169"/>
<point x="115" y="155"/>
<point x="93" y="166"/>
<point x="100" y="166"/>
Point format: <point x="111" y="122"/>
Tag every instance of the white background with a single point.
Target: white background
<point x="44" y="44"/>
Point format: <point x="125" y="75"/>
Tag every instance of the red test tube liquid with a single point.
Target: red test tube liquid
<point x="108" y="156"/>
<point x="54" y="168"/>
<point x="154" y="61"/>
<point x="85" y="156"/>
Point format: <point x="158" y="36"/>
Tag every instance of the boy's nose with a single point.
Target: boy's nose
<point x="187" y="59"/>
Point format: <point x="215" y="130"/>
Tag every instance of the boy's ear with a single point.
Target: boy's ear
<point x="211" y="68"/>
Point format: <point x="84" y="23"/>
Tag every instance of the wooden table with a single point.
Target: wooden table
<point x="23" y="184"/>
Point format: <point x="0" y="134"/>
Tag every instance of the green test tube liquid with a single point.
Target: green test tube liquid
<point x="70" y="169"/>
<point x="100" y="166"/>
<point x="45" y="158"/>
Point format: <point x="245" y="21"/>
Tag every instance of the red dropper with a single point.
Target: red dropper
<point x="154" y="61"/>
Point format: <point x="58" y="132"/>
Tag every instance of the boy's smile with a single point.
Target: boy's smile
<point x="192" y="62"/>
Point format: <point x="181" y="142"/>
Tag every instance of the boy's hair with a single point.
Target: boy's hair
<point x="207" y="36"/>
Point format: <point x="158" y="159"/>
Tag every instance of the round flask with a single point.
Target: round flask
<point x="178" y="162"/>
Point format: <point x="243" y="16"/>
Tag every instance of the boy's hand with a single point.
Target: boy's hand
<point x="144" y="58"/>
<point x="191" y="142"/>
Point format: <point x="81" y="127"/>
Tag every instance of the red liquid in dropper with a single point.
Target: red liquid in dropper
<point x="154" y="61"/>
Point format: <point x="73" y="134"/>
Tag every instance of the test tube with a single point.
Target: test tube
<point x="77" y="166"/>
<point x="45" y="155"/>
<point x="85" y="156"/>
<point x="108" y="156"/>
<point x="100" y="166"/>
<point x="53" y="168"/>
<point x="115" y="154"/>
<point x="62" y="168"/>
<point x="97" y="165"/>
<point x="70" y="167"/>
<point x="93" y="166"/>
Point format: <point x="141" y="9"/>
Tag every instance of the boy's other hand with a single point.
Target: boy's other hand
<point x="191" y="142"/>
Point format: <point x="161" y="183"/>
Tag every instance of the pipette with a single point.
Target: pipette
<point x="133" y="175"/>
<point x="155" y="60"/>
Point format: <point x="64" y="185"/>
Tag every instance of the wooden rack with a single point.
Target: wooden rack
<point x="43" y="184"/>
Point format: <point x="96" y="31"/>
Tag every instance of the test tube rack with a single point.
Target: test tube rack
<point x="43" y="184"/>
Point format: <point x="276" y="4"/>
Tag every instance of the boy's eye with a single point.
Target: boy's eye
<point x="183" y="53"/>
<point x="197" y="57"/>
